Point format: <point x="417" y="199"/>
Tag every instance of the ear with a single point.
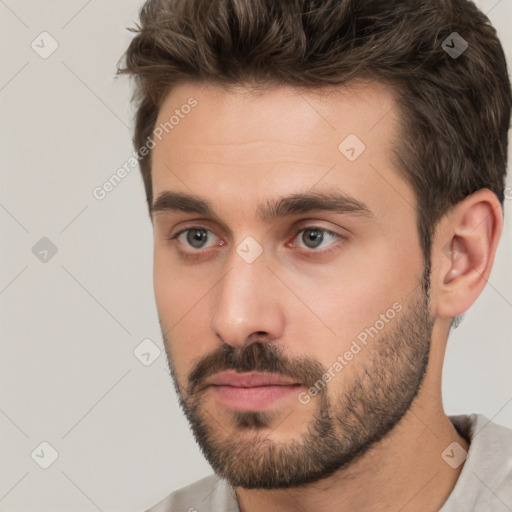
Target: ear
<point x="463" y="252"/>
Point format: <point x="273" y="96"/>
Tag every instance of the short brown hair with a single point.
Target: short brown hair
<point x="455" y="111"/>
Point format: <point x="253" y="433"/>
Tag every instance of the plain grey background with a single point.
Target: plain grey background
<point x="71" y="321"/>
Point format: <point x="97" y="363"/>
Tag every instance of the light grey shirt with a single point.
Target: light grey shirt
<point x="484" y="484"/>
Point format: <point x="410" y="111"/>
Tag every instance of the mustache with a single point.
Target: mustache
<point x="256" y="357"/>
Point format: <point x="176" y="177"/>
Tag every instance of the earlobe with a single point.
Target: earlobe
<point x="470" y="234"/>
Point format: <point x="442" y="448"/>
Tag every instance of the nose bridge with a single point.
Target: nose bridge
<point x="245" y="302"/>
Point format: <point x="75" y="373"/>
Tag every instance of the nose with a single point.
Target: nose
<point x="247" y="307"/>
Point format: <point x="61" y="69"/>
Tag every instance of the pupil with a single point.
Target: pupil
<point x="196" y="237"/>
<point x="312" y="235"/>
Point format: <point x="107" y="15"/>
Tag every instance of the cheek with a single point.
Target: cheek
<point x="352" y="294"/>
<point x="181" y="305"/>
<point x="178" y="289"/>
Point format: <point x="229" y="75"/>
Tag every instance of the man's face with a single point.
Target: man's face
<point x="325" y="294"/>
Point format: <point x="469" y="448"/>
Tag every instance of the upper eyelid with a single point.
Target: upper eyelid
<point x="319" y="228"/>
<point x="297" y="228"/>
<point x="298" y="225"/>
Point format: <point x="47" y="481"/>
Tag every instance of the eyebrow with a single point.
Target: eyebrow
<point x="272" y="209"/>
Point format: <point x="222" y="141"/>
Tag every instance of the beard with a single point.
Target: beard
<point x="370" y="403"/>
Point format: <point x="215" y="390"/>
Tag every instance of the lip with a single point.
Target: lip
<point x="251" y="391"/>
<point x="249" y="380"/>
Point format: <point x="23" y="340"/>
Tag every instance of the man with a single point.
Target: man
<point x="325" y="181"/>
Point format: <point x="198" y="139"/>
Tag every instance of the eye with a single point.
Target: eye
<point x="195" y="237"/>
<point x="316" y="238"/>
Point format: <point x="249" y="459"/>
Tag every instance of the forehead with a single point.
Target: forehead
<point x="278" y="115"/>
<point x="279" y="140"/>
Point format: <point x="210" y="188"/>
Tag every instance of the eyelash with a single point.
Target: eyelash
<point x="310" y="252"/>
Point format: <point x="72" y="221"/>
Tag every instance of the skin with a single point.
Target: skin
<point x="237" y="150"/>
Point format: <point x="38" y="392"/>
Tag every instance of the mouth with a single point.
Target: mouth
<point x="251" y="391"/>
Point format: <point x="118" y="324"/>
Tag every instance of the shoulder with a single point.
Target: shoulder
<point x="489" y="441"/>
<point x="208" y="494"/>
<point x="485" y="482"/>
